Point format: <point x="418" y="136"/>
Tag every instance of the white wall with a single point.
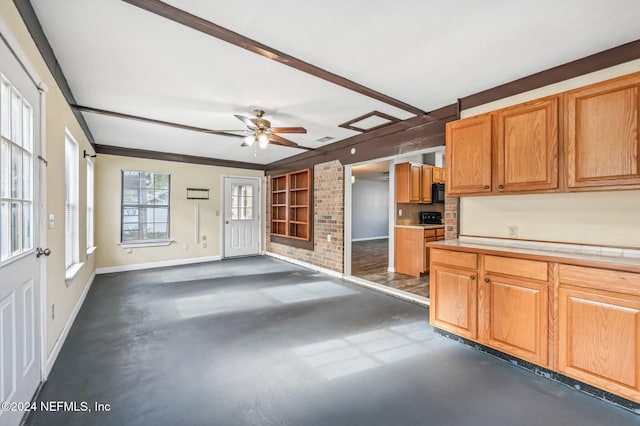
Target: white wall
<point x="600" y="218"/>
<point x="370" y="200"/>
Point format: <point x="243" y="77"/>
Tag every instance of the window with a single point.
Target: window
<point x="71" y="200"/>
<point x="16" y="166"/>
<point x="90" y="186"/>
<point x="242" y="201"/>
<point x="145" y="206"/>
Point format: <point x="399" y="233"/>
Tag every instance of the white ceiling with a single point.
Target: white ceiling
<point x="119" y="57"/>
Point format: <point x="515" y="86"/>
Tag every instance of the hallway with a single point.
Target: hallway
<point x="258" y="341"/>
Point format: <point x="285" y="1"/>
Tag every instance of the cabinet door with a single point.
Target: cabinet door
<point x="409" y="251"/>
<point x="454" y="300"/>
<point x="415" y="184"/>
<point x="527" y="146"/>
<point x="469" y="156"/>
<point x="425" y="183"/>
<point x="599" y="339"/>
<point x="514" y="317"/>
<point x="438" y="174"/>
<point x="602" y="134"/>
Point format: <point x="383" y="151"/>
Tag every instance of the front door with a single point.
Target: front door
<point x="20" y="328"/>
<point x="241" y="216"/>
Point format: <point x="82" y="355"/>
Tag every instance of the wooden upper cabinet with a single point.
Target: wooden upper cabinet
<point x="426" y="179"/>
<point x="602" y="135"/>
<point x="527" y="146"/>
<point x="413" y="183"/>
<point x="469" y="144"/>
<point x="437" y="174"/>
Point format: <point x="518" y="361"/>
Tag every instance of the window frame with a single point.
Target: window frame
<point x="90" y="206"/>
<point x="72" y="201"/>
<point x="16" y="141"/>
<point x="123" y="206"/>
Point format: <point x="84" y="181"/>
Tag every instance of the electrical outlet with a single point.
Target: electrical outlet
<point x="186" y="246"/>
<point x="204" y="244"/>
<point x="512" y="231"/>
<point x="329" y="237"/>
<point x="400" y="212"/>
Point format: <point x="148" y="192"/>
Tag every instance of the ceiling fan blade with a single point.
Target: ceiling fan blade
<point x="246" y="121"/>
<point x="289" y="130"/>
<point x="279" y="140"/>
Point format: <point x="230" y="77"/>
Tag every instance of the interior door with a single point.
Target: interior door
<point x="241" y="216"/>
<point x="20" y="305"/>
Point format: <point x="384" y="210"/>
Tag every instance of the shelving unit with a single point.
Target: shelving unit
<point x="290" y="204"/>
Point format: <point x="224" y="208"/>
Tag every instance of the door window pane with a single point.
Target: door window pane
<point x="15" y="227"/>
<point x="27" y="221"/>
<point x="5" y="106"/>
<point x="16" y="122"/>
<point x="241" y="201"/>
<point x="16" y="172"/>
<point x="5" y="169"/>
<point x="4" y="230"/>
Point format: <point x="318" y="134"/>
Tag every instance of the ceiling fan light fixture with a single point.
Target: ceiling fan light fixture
<point x="263" y="140"/>
<point x="249" y="140"/>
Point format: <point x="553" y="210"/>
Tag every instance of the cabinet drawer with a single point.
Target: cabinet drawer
<point x="440" y="232"/>
<point x="601" y="279"/>
<point x="517" y="267"/>
<point x="455" y="258"/>
<point x="429" y="233"/>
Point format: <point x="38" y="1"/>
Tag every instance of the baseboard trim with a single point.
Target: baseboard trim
<point x="305" y="264"/>
<point x="149" y="265"/>
<point x="385" y="237"/>
<point x="400" y="294"/>
<point x="67" y="327"/>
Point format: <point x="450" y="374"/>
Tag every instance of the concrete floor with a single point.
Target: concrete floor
<point x="258" y="341"/>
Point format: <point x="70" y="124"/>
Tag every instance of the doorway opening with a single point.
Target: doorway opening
<point x="372" y="214"/>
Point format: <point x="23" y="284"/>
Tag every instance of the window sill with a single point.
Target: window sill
<point x="132" y="244"/>
<point x="72" y="271"/>
<point x="91" y="250"/>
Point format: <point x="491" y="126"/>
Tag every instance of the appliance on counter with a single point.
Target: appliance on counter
<point x="430" y="218"/>
<point x="437" y="193"/>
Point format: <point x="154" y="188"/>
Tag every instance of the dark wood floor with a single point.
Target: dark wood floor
<point x="370" y="260"/>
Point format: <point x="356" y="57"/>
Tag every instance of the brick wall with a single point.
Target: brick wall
<point x="328" y="219"/>
<point x="451" y="218"/>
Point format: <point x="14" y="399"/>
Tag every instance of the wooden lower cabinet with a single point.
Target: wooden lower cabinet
<point x="599" y="329"/>
<point x="583" y="322"/>
<point x="454" y="292"/>
<point x="411" y="251"/>
<point x="514" y="317"/>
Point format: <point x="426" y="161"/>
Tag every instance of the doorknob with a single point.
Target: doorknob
<point x="226" y="222"/>
<point x="40" y="251"/>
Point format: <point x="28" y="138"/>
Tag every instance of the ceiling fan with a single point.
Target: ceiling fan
<point x="260" y="131"/>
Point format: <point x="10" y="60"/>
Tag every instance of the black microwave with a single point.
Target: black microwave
<point x="437" y="193"/>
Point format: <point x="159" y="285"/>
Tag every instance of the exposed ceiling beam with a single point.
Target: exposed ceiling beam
<point x="199" y="24"/>
<point x="168" y="156"/>
<point x="275" y="140"/>
<point x="150" y="120"/>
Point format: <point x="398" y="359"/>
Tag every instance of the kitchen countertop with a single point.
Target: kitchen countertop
<point x="614" y="258"/>
<point x="419" y="226"/>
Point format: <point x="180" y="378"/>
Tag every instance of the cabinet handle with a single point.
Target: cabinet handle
<point x="486" y="187"/>
<point x="472" y="277"/>
<point x="486" y="280"/>
<point x="500" y="186"/>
